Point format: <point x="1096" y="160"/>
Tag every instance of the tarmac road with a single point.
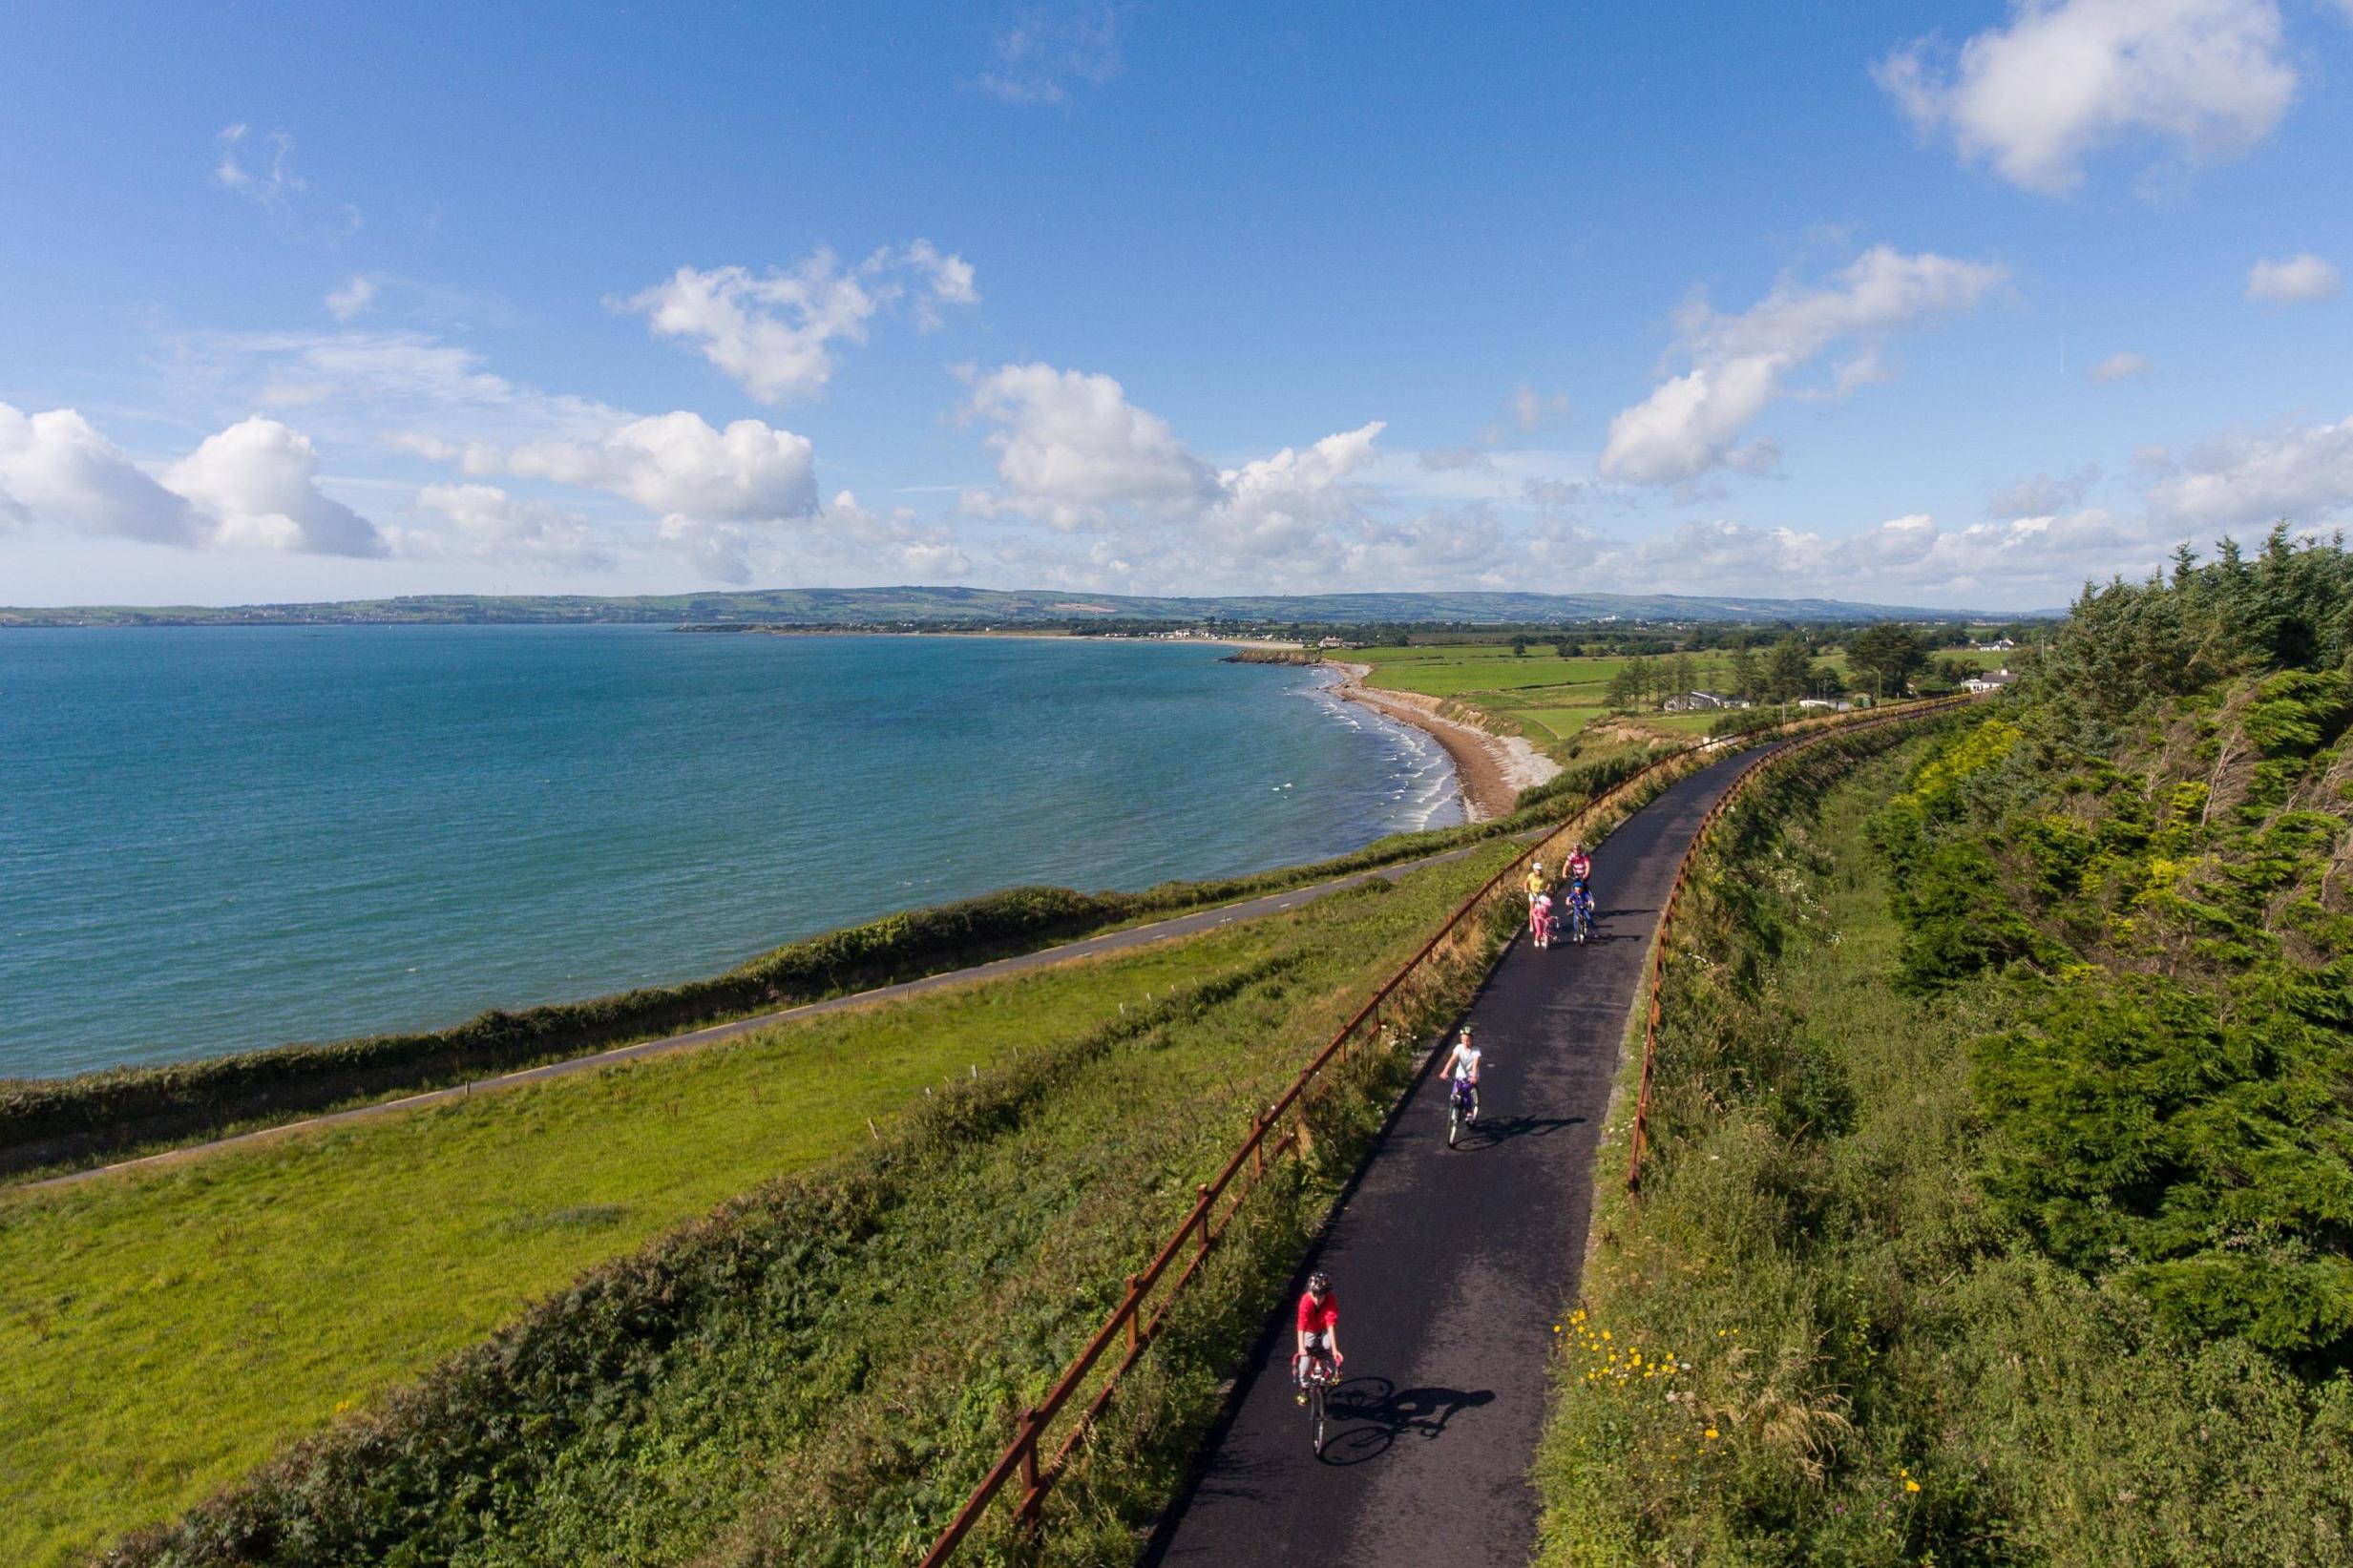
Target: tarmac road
<point x="1451" y="1266"/>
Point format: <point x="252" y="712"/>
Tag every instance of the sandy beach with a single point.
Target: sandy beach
<point x="1493" y="768"/>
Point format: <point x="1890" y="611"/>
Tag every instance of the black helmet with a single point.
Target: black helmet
<point x="1317" y="1283"/>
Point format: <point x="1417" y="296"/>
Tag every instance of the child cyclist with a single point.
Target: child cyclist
<point x="1580" y="867"/>
<point x="1540" y="915"/>
<point x="1319" y="1332"/>
<point x="1463" y="1067"/>
<point x="1580" y="907"/>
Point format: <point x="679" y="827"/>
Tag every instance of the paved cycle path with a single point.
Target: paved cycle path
<point x="1451" y="1266"/>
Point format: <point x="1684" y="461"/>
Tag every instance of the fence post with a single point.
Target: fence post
<point x="1258" y="1143"/>
<point x="1031" y="1496"/>
<point x="1202" y="1189"/>
<point x="1135" y="1313"/>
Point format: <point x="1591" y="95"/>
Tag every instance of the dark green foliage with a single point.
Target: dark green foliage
<point x="2166" y="1103"/>
<point x="1887" y="655"/>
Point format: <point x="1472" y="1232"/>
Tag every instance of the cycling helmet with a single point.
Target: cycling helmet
<point x="1317" y="1284"/>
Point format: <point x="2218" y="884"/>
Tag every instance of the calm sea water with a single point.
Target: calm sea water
<point x="219" y="838"/>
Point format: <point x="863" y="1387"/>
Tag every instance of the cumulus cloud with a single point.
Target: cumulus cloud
<point x="1070" y="446"/>
<point x="353" y="299"/>
<point x="2124" y="367"/>
<point x="773" y="333"/>
<point x="2068" y="77"/>
<point x="1741" y="363"/>
<point x="485" y="523"/>
<point x="1047" y="53"/>
<point x="2302" y="474"/>
<point x="55" y="466"/>
<point x="258" y="479"/>
<point x="674" y="463"/>
<point x="252" y="485"/>
<point x="1073" y="452"/>
<point x="2298" y="280"/>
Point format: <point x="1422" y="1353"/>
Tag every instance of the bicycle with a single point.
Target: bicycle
<point x="1461" y="1109"/>
<point x="1317" y="1377"/>
<point x="1580" y="924"/>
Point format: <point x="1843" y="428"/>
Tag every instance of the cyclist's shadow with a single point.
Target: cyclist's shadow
<point x="1373" y="1413"/>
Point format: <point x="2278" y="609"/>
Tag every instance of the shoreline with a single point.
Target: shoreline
<point x="1490" y="769"/>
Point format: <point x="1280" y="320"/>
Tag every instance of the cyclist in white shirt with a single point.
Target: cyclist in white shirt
<point x="1462" y="1068"/>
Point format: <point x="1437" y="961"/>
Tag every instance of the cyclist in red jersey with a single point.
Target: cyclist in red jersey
<point x="1580" y="865"/>
<point x="1320" y="1326"/>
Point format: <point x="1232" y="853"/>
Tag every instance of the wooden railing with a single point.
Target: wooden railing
<point x="1030" y="1465"/>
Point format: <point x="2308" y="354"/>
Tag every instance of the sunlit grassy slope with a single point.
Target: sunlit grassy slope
<point x="163" y="1333"/>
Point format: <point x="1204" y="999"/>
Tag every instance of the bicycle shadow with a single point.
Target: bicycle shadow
<point x="1489" y="1131"/>
<point x="1379" y="1412"/>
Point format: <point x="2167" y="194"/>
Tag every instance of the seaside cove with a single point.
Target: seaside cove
<point x="222" y="839"/>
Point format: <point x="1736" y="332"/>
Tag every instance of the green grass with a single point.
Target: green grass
<point x="164" y="1332"/>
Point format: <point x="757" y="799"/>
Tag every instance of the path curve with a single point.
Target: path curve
<point x="1451" y="1267"/>
<point x="1134" y="936"/>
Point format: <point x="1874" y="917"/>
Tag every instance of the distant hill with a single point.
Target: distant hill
<point x="879" y="607"/>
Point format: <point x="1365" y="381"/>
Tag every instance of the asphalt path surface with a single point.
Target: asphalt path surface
<point x="1135" y="936"/>
<point x="1451" y="1266"/>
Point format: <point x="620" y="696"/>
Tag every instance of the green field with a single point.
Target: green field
<point x="1553" y="698"/>
<point x="166" y="1331"/>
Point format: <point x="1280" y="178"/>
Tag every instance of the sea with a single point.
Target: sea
<point x="213" y="839"/>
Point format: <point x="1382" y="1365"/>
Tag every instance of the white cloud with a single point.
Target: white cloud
<point x="352" y="299"/>
<point x="2068" y="77"/>
<point x="2298" y="280"/>
<point x="1075" y="455"/>
<point x="256" y="478"/>
<point x="1070" y="445"/>
<point x="55" y="466"/>
<point x="485" y="523"/>
<point x="249" y="487"/>
<point x="1693" y="421"/>
<point x="674" y="463"/>
<point x="773" y="333"/>
<point x="1047" y="52"/>
<point x="2305" y="475"/>
<point x="2123" y="367"/>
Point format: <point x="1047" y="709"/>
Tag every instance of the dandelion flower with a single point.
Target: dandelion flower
<point x="1708" y="1434"/>
<point x="1911" y="1486"/>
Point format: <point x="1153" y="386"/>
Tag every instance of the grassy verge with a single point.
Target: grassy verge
<point x="1815" y="1338"/>
<point x="164" y="1333"/>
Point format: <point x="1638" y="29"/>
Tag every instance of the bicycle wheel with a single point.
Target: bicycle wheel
<point x="1315" y="1412"/>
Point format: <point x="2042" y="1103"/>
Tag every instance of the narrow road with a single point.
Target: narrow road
<point x="1135" y="936"/>
<point x="1451" y="1266"/>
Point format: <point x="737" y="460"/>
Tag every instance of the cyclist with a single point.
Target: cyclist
<point x="1319" y="1332"/>
<point x="1539" y="920"/>
<point x="1463" y="1067"/>
<point x="1581" y="906"/>
<point x="1536" y="883"/>
<point x="1580" y="865"/>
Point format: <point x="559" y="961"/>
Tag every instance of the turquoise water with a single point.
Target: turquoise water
<point x="212" y="838"/>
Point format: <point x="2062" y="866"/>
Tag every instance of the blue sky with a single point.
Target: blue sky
<point x="1952" y="306"/>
